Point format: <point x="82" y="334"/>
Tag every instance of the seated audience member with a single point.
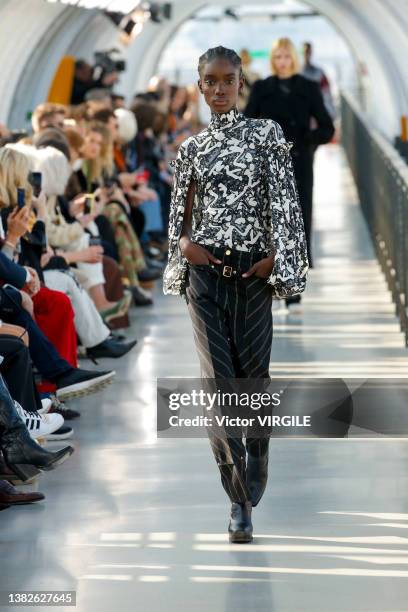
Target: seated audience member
<point x="118" y="101"/>
<point x="48" y="115"/>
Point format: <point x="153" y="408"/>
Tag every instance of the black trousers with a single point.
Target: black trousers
<point x="17" y="372"/>
<point x="303" y="167"/>
<point x="232" y="324"/>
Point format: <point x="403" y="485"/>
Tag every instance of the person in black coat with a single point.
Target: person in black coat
<point x="297" y="105"/>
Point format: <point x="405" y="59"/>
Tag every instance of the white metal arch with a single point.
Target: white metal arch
<point x="34" y="34"/>
<point x="366" y="26"/>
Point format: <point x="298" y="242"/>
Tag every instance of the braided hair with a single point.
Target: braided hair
<point x="220" y="53"/>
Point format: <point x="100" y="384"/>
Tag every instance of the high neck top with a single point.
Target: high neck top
<point x="225" y="120"/>
<point x="245" y="199"/>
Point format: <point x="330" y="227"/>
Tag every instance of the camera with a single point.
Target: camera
<point x="108" y="64"/>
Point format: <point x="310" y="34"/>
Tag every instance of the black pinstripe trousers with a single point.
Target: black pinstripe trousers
<point x="232" y="325"/>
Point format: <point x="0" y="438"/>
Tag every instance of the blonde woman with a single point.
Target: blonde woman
<point x="293" y="101"/>
<point x="97" y="153"/>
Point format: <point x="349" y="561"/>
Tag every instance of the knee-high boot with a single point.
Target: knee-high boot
<point x="21" y="453"/>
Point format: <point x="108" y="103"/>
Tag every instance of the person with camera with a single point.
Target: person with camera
<point x="103" y="75"/>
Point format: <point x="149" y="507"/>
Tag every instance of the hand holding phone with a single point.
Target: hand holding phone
<point x="18" y="224"/>
<point x="89" y="203"/>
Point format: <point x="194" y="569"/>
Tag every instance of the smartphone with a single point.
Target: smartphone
<point x="35" y="180"/>
<point x="89" y="203"/>
<point x="95" y="241"/>
<point x="20" y="197"/>
<point x="109" y="182"/>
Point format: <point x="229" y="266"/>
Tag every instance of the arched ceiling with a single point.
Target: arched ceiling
<point x="35" y="34"/>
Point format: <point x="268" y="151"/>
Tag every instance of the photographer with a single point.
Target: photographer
<point x="103" y="75"/>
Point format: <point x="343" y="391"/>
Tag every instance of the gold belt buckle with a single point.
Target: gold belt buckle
<point x="227" y="271"/>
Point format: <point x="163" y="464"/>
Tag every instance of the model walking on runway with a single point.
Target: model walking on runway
<point x="297" y="104"/>
<point x="236" y="239"/>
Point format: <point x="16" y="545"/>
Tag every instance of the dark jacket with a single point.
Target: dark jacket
<point x="292" y="111"/>
<point x="11" y="272"/>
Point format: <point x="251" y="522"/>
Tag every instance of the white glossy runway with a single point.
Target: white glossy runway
<point x="135" y="523"/>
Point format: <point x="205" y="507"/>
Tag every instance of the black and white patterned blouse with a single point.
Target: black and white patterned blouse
<point x="246" y="198"/>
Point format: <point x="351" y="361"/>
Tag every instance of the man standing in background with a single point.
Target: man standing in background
<point x="314" y="73"/>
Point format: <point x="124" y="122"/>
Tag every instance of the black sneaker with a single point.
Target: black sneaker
<point x="62" y="409"/>
<point x="63" y="433"/>
<point x="79" y="382"/>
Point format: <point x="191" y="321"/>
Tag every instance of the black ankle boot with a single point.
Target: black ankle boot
<point x="257" y="476"/>
<point x="22" y="455"/>
<point x="240" y="525"/>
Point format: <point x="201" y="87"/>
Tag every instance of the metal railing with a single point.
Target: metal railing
<point x="381" y="177"/>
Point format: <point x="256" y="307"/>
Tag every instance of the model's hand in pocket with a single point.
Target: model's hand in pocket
<point x="262" y="268"/>
<point x="196" y="254"/>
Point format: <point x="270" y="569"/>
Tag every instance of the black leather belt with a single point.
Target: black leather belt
<point x="233" y="261"/>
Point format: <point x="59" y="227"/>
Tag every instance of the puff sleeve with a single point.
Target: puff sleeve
<point x="288" y="238"/>
<point x="174" y="276"/>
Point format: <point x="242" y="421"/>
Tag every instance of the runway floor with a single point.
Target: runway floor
<point x="135" y="523"/>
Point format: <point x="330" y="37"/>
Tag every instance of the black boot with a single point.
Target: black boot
<point x="110" y="348"/>
<point x="140" y="297"/>
<point x="240" y="525"/>
<point x="257" y="476"/>
<point x="22" y="455"/>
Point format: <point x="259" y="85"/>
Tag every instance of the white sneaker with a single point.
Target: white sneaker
<point x="46" y="405"/>
<point x="39" y="425"/>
